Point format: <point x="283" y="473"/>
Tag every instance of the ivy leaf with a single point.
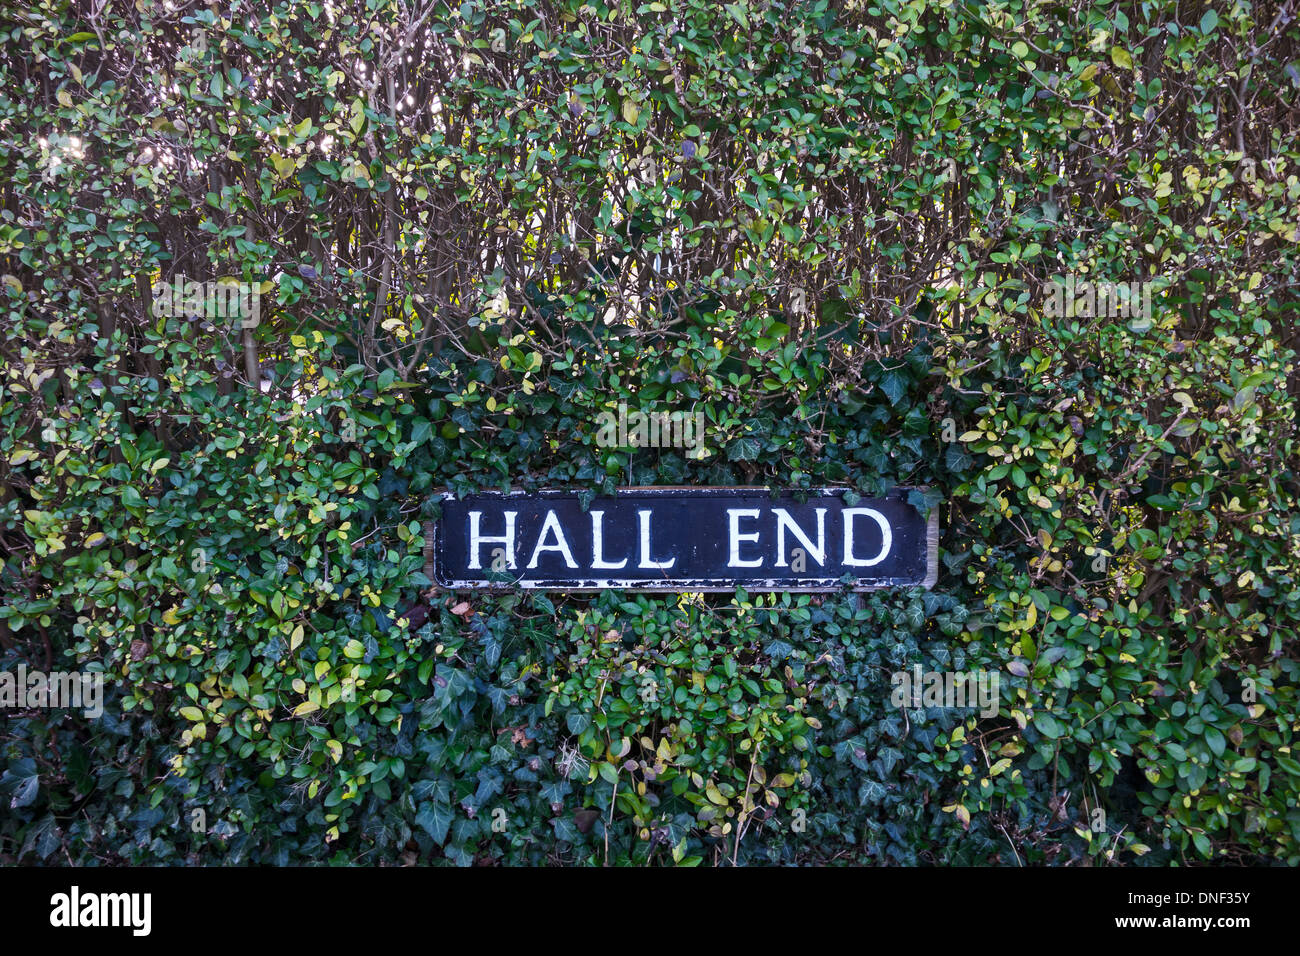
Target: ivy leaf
<point x="577" y="721"/>
<point x="21" y="782"/>
<point x="894" y="384"/>
<point x="924" y="500"/>
<point x="744" y="449"/>
<point x="435" y="819"/>
<point x="956" y="459"/>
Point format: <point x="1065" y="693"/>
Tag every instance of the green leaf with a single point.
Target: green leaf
<point x="435" y="819"/>
<point x="1047" y="725"/>
<point x="894" y="384"/>
<point x="738" y="14"/>
<point x="744" y="449"/>
<point x="1215" y="741"/>
<point x="577" y="721"/>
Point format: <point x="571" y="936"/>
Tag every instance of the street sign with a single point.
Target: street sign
<point x="682" y="539"/>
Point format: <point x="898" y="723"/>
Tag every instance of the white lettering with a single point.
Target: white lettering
<point x="598" y="545"/>
<point x="784" y="521"/>
<point x="734" y="537"/>
<point x="552" y="526"/>
<point x="887" y="537"/>
<point x="643" y="517"/>
<point x="477" y="540"/>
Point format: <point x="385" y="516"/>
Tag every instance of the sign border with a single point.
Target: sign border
<point x="702" y="586"/>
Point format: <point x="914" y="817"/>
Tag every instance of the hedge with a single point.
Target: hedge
<point x="834" y="229"/>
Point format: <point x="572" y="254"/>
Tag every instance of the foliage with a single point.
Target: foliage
<point x="476" y="227"/>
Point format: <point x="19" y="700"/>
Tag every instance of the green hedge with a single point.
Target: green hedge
<point x="829" y="227"/>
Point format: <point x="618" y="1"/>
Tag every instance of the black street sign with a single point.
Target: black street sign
<point x="682" y="539"/>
